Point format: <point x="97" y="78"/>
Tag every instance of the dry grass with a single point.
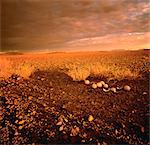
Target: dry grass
<point x="79" y="66"/>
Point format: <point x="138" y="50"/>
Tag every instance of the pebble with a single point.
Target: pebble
<point x="21" y="122"/>
<point x="42" y="79"/>
<point x="61" y="128"/>
<point x="65" y="119"/>
<point x="16" y="133"/>
<point x="74" y="131"/>
<point x="104" y="143"/>
<point x="91" y="118"/>
<point x="20" y="127"/>
<point x="30" y="97"/>
<point x="144" y="93"/>
<point x="16" y="121"/>
<point x="142" y="129"/>
<point x="116" y="131"/>
<point x="59" y="123"/>
<point x="127" y="88"/>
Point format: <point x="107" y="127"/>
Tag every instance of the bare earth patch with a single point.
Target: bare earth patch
<point x="49" y="107"/>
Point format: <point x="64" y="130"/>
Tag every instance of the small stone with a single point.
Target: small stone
<point x="144" y="93"/>
<point x="104" y="143"/>
<point x="92" y="102"/>
<point x="16" y="121"/>
<point x="20" y="127"/>
<point x="123" y="125"/>
<point x="127" y="88"/>
<point x="132" y="111"/>
<point x="142" y="129"/>
<point x="59" y="123"/>
<point x="34" y="112"/>
<point x="21" y="122"/>
<point x="30" y="97"/>
<point x="42" y="79"/>
<point x="61" y="128"/>
<point x="65" y="119"/>
<point x="116" y="131"/>
<point x="91" y="118"/>
<point x="16" y="133"/>
<point x="18" y="78"/>
<point x="20" y="117"/>
<point x="75" y="131"/>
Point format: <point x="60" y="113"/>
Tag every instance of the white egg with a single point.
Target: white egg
<point x="94" y="86"/>
<point x="113" y="89"/>
<point x="105" y="86"/>
<point x="99" y="84"/>
<point x="87" y="82"/>
<point x="102" y="82"/>
<point x="106" y="90"/>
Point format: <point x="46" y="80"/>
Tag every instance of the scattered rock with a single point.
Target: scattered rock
<point x="104" y="143"/>
<point x="16" y="133"/>
<point x="42" y="79"/>
<point x="142" y="129"/>
<point x="61" y="128"/>
<point x="30" y="97"/>
<point x="65" y="119"/>
<point x="21" y="122"/>
<point x="127" y="88"/>
<point x="74" y="131"/>
<point x="20" y="127"/>
<point x="144" y="93"/>
<point x="91" y="118"/>
<point x="59" y="123"/>
<point x="116" y="131"/>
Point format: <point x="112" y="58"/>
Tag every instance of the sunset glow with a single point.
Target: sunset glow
<point x="32" y="25"/>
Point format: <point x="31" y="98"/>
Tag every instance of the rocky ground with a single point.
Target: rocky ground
<point x="50" y="107"/>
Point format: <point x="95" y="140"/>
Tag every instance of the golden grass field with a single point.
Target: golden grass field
<point x="78" y="65"/>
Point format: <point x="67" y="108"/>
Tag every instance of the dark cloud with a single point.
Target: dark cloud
<point x="37" y="24"/>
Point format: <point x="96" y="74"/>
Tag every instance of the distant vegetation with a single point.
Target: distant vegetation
<point x="119" y="65"/>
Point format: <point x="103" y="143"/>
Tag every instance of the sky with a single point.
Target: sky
<point x="38" y="25"/>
